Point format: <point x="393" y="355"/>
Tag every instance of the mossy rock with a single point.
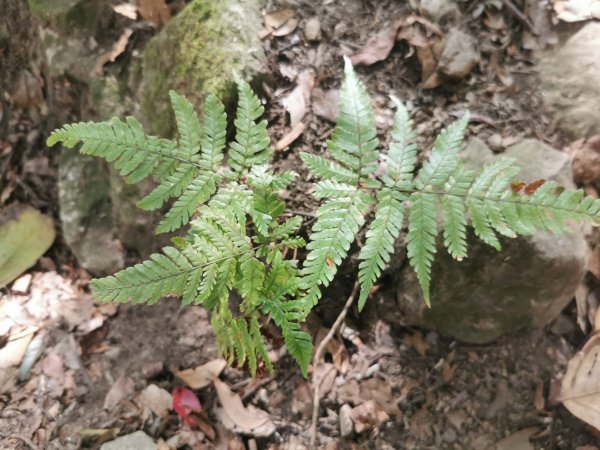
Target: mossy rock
<point x="25" y="235"/>
<point x="199" y="52"/>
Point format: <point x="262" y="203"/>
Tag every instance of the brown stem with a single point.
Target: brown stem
<point x="318" y="355"/>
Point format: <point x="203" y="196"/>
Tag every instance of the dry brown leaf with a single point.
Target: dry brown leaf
<point x="203" y="375"/>
<point x="126" y="9"/>
<point x="121" y="389"/>
<point x="155" y="11"/>
<point x="580" y="390"/>
<point x="417" y="342"/>
<point x="297" y="101"/>
<point x="378" y="47"/>
<point x="368" y="415"/>
<point x="325" y="375"/>
<point x="325" y="104"/>
<point x="290" y="136"/>
<point x="539" y="401"/>
<point x="516" y="441"/>
<point x="249" y="420"/>
<point x="586" y="159"/>
<point x="157" y="399"/>
<point x="110" y="56"/>
<point x="280" y="23"/>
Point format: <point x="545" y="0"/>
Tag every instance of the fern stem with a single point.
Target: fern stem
<point x="318" y="355"/>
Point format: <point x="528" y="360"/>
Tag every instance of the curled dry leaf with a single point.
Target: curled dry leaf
<point x="325" y="104"/>
<point x="155" y="11"/>
<point x="157" y="399"/>
<point x="378" y="47"/>
<point x="202" y="375"/>
<point x="580" y="390"/>
<point x="297" y="102"/>
<point x="122" y="388"/>
<point x="280" y="23"/>
<point x="110" y="56"/>
<point x="249" y="420"/>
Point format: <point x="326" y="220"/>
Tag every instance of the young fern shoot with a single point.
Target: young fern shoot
<point x="234" y="258"/>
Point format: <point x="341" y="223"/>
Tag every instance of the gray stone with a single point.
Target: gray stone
<point x="459" y="56"/>
<point x="198" y="52"/>
<point x="439" y="10"/>
<point x="570" y="77"/>
<point x="346" y="423"/>
<point x="491" y="293"/>
<point x="312" y="29"/>
<point x="86" y="214"/>
<point x="138" y="441"/>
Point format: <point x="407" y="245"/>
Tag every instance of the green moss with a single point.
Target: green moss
<point x="197" y="53"/>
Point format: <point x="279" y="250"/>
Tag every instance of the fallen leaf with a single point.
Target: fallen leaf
<point x="25" y="235"/>
<point x="585" y="155"/>
<point x="325" y="375"/>
<point x="417" y="342"/>
<point x="157" y="399"/>
<point x="110" y="56"/>
<point x="297" y="101"/>
<point x="281" y="23"/>
<point x="53" y="365"/>
<point x="253" y="421"/>
<point x="378" y="47"/>
<point x="290" y="136"/>
<point x="155" y="11"/>
<point x="325" y="104"/>
<point x="126" y="9"/>
<point x="576" y="10"/>
<point x="539" y="401"/>
<point x="516" y="441"/>
<point x="580" y="389"/>
<point x="203" y="375"/>
<point x="21" y="284"/>
<point x="121" y="389"/>
<point x="185" y="403"/>
<point x="368" y="415"/>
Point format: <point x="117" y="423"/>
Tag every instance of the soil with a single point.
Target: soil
<point x="433" y="392"/>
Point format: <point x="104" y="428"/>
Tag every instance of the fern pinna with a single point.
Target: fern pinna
<point x="234" y="257"/>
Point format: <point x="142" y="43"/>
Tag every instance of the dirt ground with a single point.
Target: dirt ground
<point x="406" y="388"/>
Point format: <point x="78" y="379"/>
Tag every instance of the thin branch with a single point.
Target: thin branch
<point x="520" y="16"/>
<point x="318" y="355"/>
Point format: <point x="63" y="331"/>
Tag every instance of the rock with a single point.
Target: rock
<point x="312" y="29"/>
<point x="495" y="142"/>
<point x="439" y="10"/>
<point x="562" y="326"/>
<point x="25" y="235"/>
<point x="138" y="441"/>
<point x="570" y="77"/>
<point x="459" y="55"/>
<point x="491" y="293"/>
<point x="86" y="213"/>
<point x="346" y="423"/>
<point x="199" y="52"/>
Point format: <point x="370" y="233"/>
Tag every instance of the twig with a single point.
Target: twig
<point x="318" y="355"/>
<point x="519" y="15"/>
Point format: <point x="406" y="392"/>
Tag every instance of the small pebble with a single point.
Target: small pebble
<point x="495" y="142"/>
<point x="449" y="435"/>
<point x="312" y="29"/>
<point x="346" y="424"/>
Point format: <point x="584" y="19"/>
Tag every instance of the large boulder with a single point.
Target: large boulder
<point x="570" y="78"/>
<point x="491" y="293"/>
<point x="200" y="52"/>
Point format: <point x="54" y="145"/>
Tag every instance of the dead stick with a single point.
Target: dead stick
<point x="318" y="355"/>
<point x="519" y="15"/>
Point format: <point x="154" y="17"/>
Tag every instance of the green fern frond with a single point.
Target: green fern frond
<point x="379" y="245"/>
<point x="338" y="223"/>
<point x="170" y="273"/>
<point x="455" y="220"/>
<point x="422" y="231"/>
<point x="402" y="154"/>
<point x="444" y="158"/>
<point x="251" y="146"/>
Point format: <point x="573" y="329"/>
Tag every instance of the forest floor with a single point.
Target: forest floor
<point x="98" y="371"/>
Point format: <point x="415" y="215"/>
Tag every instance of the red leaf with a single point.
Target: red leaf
<point x="517" y="186"/>
<point x="184" y="403"/>
<point x="532" y="187"/>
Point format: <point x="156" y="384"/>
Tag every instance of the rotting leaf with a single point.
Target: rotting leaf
<point x="121" y="389"/>
<point x="580" y="389"/>
<point x="203" y="375"/>
<point x="157" y="399"/>
<point x="297" y="102"/>
<point x="155" y="11"/>
<point x="325" y="104"/>
<point x="280" y="23"/>
<point x="25" y="235"/>
<point x="378" y="47"/>
<point x="250" y="421"/>
<point x="110" y="56"/>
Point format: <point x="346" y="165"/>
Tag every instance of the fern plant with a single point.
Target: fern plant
<point x="234" y="258"/>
